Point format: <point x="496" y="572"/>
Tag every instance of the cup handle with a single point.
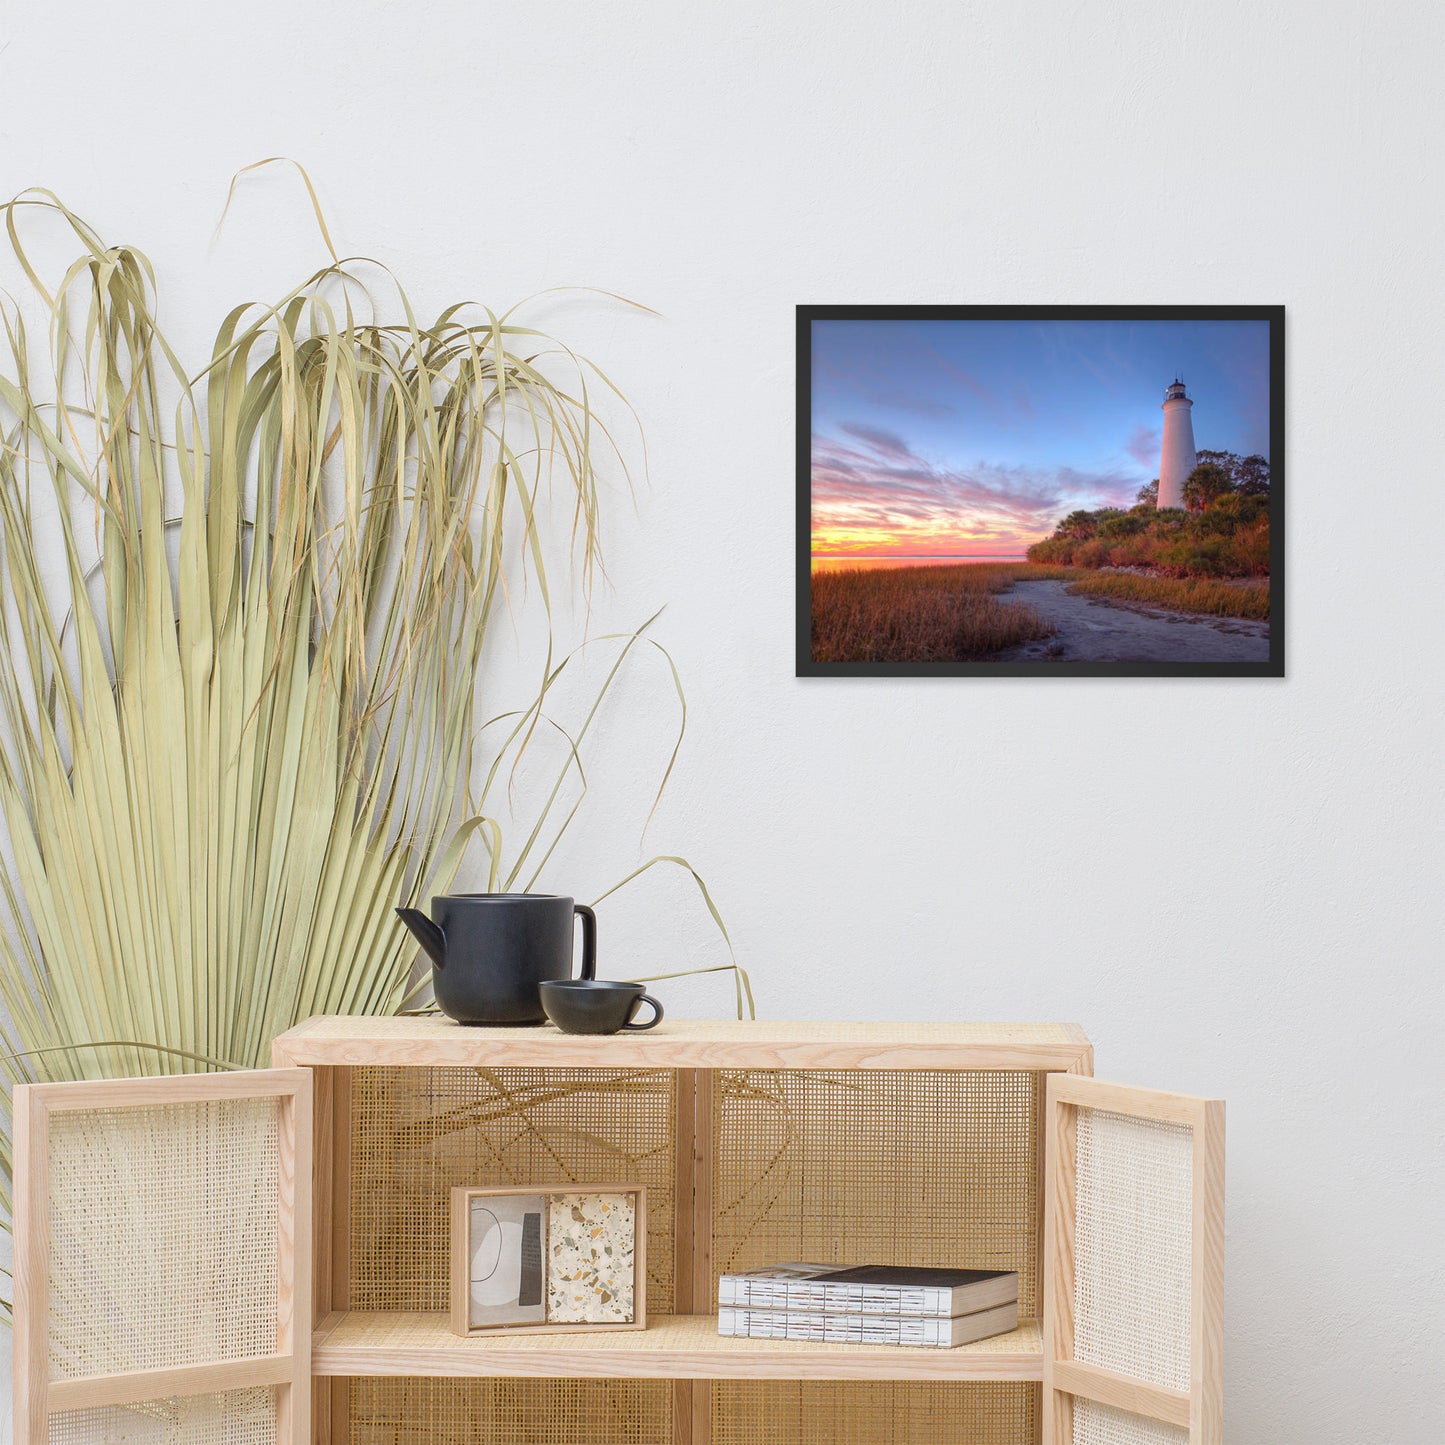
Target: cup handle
<point x="653" y="1022"/>
<point x="589" y="940"/>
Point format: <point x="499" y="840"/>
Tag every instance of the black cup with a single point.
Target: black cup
<point x="595" y="1006"/>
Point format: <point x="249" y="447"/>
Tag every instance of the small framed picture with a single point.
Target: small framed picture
<point x="553" y="1258"/>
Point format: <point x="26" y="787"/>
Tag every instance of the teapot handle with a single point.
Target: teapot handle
<point x="589" y="940"/>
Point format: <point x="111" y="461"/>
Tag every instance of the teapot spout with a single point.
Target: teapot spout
<point x="426" y="933"/>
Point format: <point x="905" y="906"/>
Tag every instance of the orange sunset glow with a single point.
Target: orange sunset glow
<point x="836" y="536"/>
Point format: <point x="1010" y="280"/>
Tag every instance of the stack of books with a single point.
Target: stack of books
<point x="871" y="1304"/>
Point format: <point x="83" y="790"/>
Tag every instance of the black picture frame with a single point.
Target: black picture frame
<point x="807" y="667"/>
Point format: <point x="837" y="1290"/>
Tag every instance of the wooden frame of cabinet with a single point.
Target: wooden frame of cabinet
<point x="41" y="1393"/>
<point x="682" y="1347"/>
<point x="1197" y="1410"/>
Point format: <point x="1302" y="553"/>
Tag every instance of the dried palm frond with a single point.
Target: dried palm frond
<point x="242" y="615"/>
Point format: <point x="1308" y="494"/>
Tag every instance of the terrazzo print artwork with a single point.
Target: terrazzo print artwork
<point x="591" y="1239"/>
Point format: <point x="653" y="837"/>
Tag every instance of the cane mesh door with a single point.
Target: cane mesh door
<point x="1133" y="1266"/>
<point x="162" y="1247"/>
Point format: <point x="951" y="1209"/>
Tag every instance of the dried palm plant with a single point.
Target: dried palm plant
<point x="242" y="615"/>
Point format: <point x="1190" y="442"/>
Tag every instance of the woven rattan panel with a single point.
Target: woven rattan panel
<point x="418" y="1132"/>
<point x="404" y="1411"/>
<point x="1132" y="1249"/>
<point x="877" y="1167"/>
<point x="235" y="1417"/>
<point x="1096" y="1424"/>
<point x="776" y="1412"/>
<point x="162" y="1236"/>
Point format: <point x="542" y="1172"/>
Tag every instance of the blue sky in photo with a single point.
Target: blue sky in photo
<point x="974" y="437"/>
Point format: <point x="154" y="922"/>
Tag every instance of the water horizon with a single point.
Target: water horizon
<point x="834" y="563"/>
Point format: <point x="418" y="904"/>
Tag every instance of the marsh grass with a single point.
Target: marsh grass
<point x="1182" y="594"/>
<point x="947" y="613"/>
<point x="961" y="612"/>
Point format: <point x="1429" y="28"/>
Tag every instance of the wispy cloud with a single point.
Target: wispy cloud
<point x="872" y="491"/>
<point x="915" y="405"/>
<point x="875" y="384"/>
<point x="882" y="443"/>
<point x="1006" y="412"/>
<point x="1143" y="446"/>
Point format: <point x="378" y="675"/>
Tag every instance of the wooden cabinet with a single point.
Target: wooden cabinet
<point x="980" y="1144"/>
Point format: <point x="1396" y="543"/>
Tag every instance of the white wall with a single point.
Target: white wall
<point x="1235" y="885"/>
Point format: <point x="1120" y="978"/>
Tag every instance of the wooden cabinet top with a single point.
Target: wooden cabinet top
<point x="689" y="1044"/>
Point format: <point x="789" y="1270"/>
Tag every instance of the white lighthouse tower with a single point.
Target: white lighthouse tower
<point x="1176" y="458"/>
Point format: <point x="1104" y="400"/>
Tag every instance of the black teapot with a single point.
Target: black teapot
<point x="491" y="951"/>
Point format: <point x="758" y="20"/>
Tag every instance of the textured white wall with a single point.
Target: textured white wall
<point x="1234" y="885"/>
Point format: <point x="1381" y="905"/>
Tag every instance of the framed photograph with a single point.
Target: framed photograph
<point x="548" y="1258"/>
<point x="1040" y="491"/>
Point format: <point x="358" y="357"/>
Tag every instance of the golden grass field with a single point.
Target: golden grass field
<point x="1184" y="594"/>
<point x="960" y="612"/>
<point x="948" y="613"/>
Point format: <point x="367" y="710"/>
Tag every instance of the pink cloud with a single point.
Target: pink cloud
<point x="873" y="481"/>
<point x="1143" y="446"/>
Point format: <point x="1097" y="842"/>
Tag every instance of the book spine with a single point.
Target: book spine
<point x="834" y="1328"/>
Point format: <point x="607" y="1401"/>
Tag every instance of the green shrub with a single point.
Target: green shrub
<point x="1249" y="551"/>
<point x="1056" y="550"/>
<point x="1205" y="484"/>
<point x="1133" y="551"/>
<point x="1240" y="506"/>
<point x="1228" y="538"/>
<point x="1196" y="556"/>
<point x="1078" y="526"/>
<point x="1122" y="524"/>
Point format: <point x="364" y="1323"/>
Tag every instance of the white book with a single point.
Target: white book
<point x="869" y="1289"/>
<point x="844" y="1329"/>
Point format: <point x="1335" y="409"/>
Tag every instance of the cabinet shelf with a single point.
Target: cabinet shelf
<point x="435" y="1042"/>
<point x="672" y="1347"/>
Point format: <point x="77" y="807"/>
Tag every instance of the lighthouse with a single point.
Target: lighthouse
<point x="1176" y="457"/>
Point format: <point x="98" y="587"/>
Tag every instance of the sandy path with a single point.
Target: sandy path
<point x="1091" y="629"/>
